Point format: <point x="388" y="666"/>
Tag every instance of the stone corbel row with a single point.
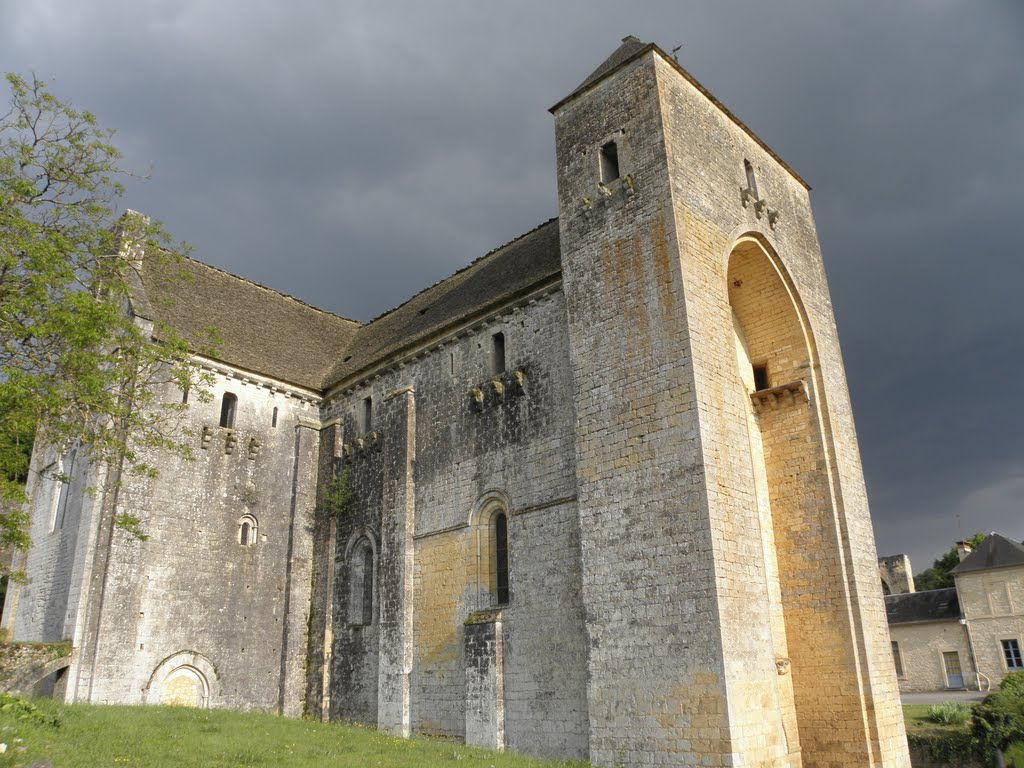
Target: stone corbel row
<point x="362" y="445"/>
<point x="747" y="195"/>
<point x="497" y="389"/>
<point x="230" y="442"/>
<point x="791" y="393"/>
<point x="625" y="184"/>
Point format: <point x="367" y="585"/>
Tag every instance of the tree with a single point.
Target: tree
<point x="940" y="575"/>
<point x="76" y="367"/>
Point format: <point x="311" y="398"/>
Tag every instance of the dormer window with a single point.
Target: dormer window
<point x="609" y="162"/>
<point x="228" y="406"/>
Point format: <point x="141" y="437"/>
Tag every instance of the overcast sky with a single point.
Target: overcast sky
<point x="352" y="153"/>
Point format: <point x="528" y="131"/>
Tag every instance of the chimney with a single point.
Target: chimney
<point x="963" y="549"/>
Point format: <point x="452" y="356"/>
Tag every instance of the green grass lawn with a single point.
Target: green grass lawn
<point x="87" y="736"/>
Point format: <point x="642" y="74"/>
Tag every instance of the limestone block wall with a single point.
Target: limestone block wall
<point x="992" y="601"/>
<point x="472" y="448"/>
<point x="707" y="154"/>
<point x="656" y="691"/>
<point x="765" y="527"/>
<point x="921" y="647"/>
<point x="204" y="611"/>
<point x="46" y="609"/>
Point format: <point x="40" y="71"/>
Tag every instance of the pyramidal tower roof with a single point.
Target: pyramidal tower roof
<point x="630" y="47"/>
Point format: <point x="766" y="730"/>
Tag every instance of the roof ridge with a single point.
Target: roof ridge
<point x="265" y="287"/>
<point x="459" y="271"/>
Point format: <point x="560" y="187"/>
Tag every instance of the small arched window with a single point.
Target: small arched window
<point x="501" y="591"/>
<point x="228" y="405"/>
<point x="273" y="419"/>
<point x="493" y="560"/>
<point x="360" y="602"/>
<point x="247" y="530"/>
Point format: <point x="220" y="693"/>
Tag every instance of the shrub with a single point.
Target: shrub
<point x="949" y="713"/>
<point x="999" y="719"/>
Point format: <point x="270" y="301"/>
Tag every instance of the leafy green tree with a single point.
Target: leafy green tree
<point x="76" y="368"/>
<point x="940" y="575"/>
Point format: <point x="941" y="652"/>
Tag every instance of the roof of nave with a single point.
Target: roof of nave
<point x="931" y="605"/>
<point x="996" y="551"/>
<point x="497" y="277"/>
<point x="268" y="332"/>
<point x="258" y="329"/>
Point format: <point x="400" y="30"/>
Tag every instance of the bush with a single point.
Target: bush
<point x="999" y="719"/>
<point x="949" y="713"/>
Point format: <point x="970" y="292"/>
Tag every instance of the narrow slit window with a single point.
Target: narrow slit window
<point x="498" y="353"/>
<point x="751" y="179"/>
<point x="184" y="395"/>
<point x="273" y="419"/>
<point x="228" y="405"/>
<point x="360" y="609"/>
<point x="609" y="162"/>
<point x="501" y="558"/>
<point x="367" y="586"/>
<point x="897" y="659"/>
<point x="367" y="414"/>
<point x="761" y="377"/>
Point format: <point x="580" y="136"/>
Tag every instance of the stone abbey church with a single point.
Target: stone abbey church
<point x="606" y="499"/>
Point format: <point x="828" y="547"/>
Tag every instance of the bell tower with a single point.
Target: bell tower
<point x="727" y="555"/>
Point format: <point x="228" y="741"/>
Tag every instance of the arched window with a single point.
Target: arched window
<point x="501" y="558"/>
<point x="360" y="601"/>
<point x="227" y="410"/>
<point x="247" y="530"/>
<point x="491" y="531"/>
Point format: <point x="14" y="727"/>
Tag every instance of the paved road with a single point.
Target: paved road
<point x="940" y="696"/>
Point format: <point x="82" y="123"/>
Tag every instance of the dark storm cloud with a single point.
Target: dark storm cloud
<point x="353" y="153"/>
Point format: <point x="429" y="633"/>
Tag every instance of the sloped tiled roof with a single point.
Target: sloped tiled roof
<point x="932" y="605"/>
<point x="499" y="276"/>
<point x="996" y="551"/>
<point x="260" y="330"/>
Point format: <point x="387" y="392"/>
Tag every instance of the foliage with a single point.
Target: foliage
<point x="940" y="743"/>
<point x="160" y="737"/>
<point x="940" y="576"/>
<point x="19" y="709"/>
<point x="75" y="367"/>
<point x="337" y="498"/>
<point x="999" y="718"/>
<point x="949" y="713"/>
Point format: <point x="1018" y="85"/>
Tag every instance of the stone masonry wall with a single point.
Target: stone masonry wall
<point x="656" y="689"/>
<point x="922" y="647"/>
<point x="192" y="588"/>
<point x="514" y="444"/>
<point x="993" y="603"/>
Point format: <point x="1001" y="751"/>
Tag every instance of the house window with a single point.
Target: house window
<point x="897" y="659"/>
<point x="360" y="603"/>
<point x="501" y="558"/>
<point x="247" y="529"/>
<point x="227" y="410"/>
<point x="609" y="162"/>
<point x="1011" y="654"/>
<point x="497" y="354"/>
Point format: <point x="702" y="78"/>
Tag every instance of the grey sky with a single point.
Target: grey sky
<point x="353" y="153"/>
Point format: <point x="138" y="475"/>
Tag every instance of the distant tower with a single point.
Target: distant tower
<point x="729" y="574"/>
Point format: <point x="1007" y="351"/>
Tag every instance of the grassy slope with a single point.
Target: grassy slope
<point x="162" y="737"/>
